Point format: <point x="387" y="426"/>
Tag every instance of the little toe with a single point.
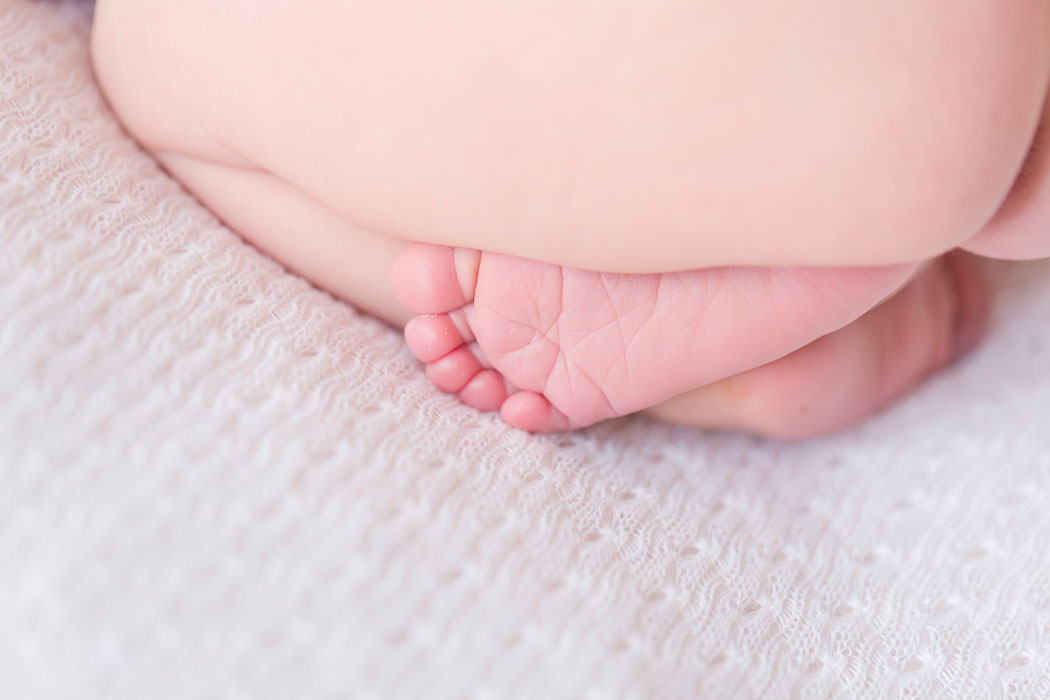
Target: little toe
<point x="432" y="279"/>
<point x="486" y="391"/>
<point x="431" y="337"/>
<point x="532" y="412"/>
<point x="453" y="371"/>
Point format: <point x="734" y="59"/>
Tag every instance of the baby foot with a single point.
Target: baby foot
<point x="555" y="348"/>
<point x="845" y="376"/>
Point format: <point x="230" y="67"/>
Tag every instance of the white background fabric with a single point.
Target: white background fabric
<point x="218" y="482"/>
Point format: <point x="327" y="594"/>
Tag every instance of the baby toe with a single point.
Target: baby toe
<point x="431" y="279"/>
<point x="532" y="412"/>
<point x="432" y="337"/>
<point x="486" y="391"/>
<point x="453" y="371"/>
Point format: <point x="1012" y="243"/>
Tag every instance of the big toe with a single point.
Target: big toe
<point x="433" y="279"/>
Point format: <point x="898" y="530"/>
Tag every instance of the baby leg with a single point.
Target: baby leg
<point x="351" y="263"/>
<point x="826" y="385"/>
<point x="304" y="235"/>
<point x="251" y="186"/>
<point x="621" y="136"/>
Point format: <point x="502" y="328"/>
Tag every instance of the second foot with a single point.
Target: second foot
<point x="847" y="375"/>
<point x="555" y="348"/>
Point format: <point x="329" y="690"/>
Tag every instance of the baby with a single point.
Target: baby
<point x="729" y="214"/>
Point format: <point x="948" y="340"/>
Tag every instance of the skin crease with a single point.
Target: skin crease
<point x="862" y="135"/>
<point x="1018" y="231"/>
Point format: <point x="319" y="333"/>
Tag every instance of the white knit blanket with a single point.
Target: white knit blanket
<point x="218" y="482"/>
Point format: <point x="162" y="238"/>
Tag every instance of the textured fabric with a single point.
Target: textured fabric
<point x="218" y="482"/>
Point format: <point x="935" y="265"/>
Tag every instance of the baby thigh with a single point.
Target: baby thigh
<point x="622" y="136"/>
<point x="152" y="88"/>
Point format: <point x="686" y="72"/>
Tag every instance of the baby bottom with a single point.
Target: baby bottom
<point x="328" y="143"/>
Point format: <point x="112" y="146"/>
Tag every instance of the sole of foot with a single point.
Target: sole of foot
<point x="555" y="348"/>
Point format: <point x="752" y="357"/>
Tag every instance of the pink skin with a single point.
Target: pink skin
<point x="1019" y="229"/>
<point x="842" y="377"/>
<point x="493" y="315"/>
<point x="886" y="156"/>
<point x="576" y="347"/>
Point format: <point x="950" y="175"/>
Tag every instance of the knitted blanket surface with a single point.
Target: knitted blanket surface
<point x="220" y="482"/>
